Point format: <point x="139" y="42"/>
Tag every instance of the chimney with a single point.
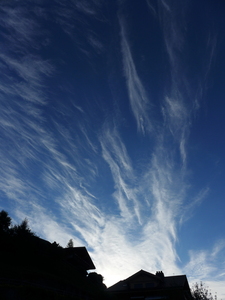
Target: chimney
<point x="160" y="274"/>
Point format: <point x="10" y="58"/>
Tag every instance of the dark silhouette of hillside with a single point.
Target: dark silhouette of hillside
<point x="33" y="268"/>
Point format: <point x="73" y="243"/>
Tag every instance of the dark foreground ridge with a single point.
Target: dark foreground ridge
<point x="33" y="268"/>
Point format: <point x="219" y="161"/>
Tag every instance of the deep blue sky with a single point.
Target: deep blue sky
<point x="112" y="131"/>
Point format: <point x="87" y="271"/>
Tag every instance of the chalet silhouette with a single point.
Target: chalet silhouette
<point x="147" y="286"/>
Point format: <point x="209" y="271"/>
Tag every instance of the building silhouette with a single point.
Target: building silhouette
<point x="148" y="286"/>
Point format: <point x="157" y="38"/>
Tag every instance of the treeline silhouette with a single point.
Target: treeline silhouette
<point x="33" y="268"/>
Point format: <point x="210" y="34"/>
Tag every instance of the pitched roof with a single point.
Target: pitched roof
<point x="175" y="281"/>
<point x="81" y="256"/>
<point x="168" y="281"/>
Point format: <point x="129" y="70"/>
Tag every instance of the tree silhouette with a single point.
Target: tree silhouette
<point x="200" y="292"/>
<point x="22" y="230"/>
<point x="97" y="279"/>
<point x="70" y="244"/>
<point x="5" y="222"/>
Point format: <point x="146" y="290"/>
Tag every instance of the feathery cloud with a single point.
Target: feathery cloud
<point x="139" y="101"/>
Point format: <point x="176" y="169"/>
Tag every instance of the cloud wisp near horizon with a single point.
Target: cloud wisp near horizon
<point x="97" y="114"/>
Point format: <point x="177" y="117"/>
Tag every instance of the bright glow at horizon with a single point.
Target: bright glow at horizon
<point x="112" y="131"/>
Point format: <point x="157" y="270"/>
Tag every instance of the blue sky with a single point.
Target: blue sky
<point x="112" y="131"/>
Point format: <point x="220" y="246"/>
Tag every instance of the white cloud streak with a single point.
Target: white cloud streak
<point x="203" y="266"/>
<point x="151" y="7"/>
<point x="139" y="100"/>
<point x="188" y="210"/>
<point x="115" y="154"/>
<point x="199" y="264"/>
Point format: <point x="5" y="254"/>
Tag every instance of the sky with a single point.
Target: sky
<point x="112" y="131"/>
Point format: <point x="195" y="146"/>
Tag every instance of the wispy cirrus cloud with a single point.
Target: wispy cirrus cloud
<point x="115" y="154"/>
<point x="151" y="7"/>
<point x="203" y="263"/>
<point x="29" y="68"/>
<point x="21" y="27"/>
<point x="155" y="234"/>
<point x="203" y="266"/>
<point x="75" y="19"/>
<point x="95" y="43"/>
<point x="139" y="101"/>
<point x="53" y="230"/>
<point x="177" y="107"/>
<point x="200" y="264"/>
<point x="87" y="7"/>
<point x="188" y="209"/>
